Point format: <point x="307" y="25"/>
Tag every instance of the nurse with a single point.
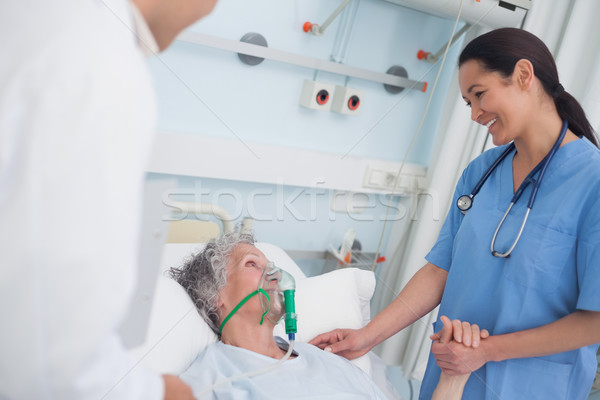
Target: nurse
<point x="540" y="302"/>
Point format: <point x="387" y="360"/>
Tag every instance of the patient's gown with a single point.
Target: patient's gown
<point x="313" y="374"/>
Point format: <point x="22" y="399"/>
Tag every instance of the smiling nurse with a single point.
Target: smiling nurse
<point x="523" y="259"/>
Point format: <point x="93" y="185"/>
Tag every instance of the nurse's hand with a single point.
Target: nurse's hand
<point x="348" y="343"/>
<point x="461" y="351"/>
<point x="176" y="389"/>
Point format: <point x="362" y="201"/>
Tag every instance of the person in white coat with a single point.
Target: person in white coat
<point x="76" y="127"/>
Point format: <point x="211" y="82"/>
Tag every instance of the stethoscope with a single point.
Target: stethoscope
<point x="465" y="202"/>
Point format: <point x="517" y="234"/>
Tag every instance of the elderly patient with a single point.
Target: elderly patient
<point x="226" y="275"/>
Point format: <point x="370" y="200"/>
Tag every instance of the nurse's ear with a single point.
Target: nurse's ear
<point x="523" y="74"/>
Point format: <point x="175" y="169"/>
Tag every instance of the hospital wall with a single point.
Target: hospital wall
<point x="209" y="93"/>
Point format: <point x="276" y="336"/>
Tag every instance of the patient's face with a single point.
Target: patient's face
<point x="244" y="271"/>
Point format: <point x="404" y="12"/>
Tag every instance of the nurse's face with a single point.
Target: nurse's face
<point x="244" y="272"/>
<point x="494" y="100"/>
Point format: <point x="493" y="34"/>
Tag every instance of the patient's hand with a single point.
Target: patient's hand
<point x="348" y="343"/>
<point x="450" y="387"/>
<point x="459" y="352"/>
<point x="176" y="389"/>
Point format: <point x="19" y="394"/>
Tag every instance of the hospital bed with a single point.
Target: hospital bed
<point x="177" y="334"/>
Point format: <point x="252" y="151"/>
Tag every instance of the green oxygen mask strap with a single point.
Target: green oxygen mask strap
<point x="241" y="303"/>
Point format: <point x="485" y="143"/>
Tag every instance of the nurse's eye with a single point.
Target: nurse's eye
<point x="479" y="94"/>
<point x="468" y="104"/>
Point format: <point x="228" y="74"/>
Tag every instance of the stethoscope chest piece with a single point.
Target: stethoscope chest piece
<point x="464" y="203"/>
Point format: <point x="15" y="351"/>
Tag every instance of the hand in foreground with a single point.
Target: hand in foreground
<point x="451" y="386"/>
<point x="176" y="389"/>
<point x="348" y="343"/>
<point x="457" y="347"/>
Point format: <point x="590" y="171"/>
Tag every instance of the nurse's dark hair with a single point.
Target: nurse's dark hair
<point x="204" y="275"/>
<point x="499" y="51"/>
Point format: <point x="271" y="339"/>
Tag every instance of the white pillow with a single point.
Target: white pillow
<point x="338" y="299"/>
<point x="281" y="259"/>
<point x="177" y="333"/>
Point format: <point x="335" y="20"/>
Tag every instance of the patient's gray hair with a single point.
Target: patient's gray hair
<point x="204" y="275"/>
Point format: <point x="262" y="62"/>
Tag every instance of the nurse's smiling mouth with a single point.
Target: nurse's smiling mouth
<point x="490" y="123"/>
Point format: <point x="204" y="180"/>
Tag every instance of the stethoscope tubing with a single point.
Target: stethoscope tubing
<point x="465" y="202"/>
<point x="491" y="169"/>
<point x="507" y="253"/>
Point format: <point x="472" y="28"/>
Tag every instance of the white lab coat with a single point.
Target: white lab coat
<point x="76" y="122"/>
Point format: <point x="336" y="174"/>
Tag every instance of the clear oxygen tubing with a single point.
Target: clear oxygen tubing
<point x="418" y="131"/>
<point x="250" y="373"/>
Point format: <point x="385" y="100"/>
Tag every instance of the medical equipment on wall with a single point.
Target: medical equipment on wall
<point x="276" y="292"/>
<point x="491" y="13"/>
<point x="418" y="131"/>
<point x="299" y="60"/>
<point x="317" y="29"/>
<point x="465" y="202"/>
<point x="350" y="254"/>
<point x="495" y="14"/>
<point x="316" y="95"/>
<point x="346" y="100"/>
<point x="355" y="258"/>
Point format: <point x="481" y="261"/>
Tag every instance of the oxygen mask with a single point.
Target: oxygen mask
<point x="276" y="292"/>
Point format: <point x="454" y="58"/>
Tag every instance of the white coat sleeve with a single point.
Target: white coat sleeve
<point x="75" y="132"/>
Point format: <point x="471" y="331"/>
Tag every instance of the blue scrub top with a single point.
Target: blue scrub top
<point x="553" y="271"/>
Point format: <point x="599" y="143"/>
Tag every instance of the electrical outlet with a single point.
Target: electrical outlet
<point x="385" y="179"/>
<point x="389" y="179"/>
